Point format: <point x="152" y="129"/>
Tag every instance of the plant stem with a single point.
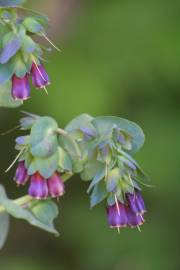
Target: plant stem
<point x="20" y="201"/>
<point x="62" y="131"/>
<point x="67" y="176"/>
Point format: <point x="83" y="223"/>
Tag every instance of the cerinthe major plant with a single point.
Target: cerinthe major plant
<point x="98" y="149"/>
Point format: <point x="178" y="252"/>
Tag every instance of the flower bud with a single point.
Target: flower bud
<point x="38" y="187"/>
<point x="20" y="87"/>
<point x="39" y="76"/>
<point x="21" y="176"/>
<point x="56" y="185"/>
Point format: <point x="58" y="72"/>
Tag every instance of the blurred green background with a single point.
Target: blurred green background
<point x="119" y="57"/>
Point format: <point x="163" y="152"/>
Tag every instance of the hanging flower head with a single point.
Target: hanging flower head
<point x="21" y="56"/>
<point x="99" y="149"/>
<point x="108" y="144"/>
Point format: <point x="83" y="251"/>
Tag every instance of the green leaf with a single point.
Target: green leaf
<point x="32" y="25"/>
<point x="6" y="72"/>
<point x="90" y="169"/>
<point x="112" y="179"/>
<point x="97" y="178"/>
<point x="42" y="19"/>
<point x="111" y="199"/>
<point x="47" y="166"/>
<point x="27" y="157"/>
<point x="141" y="174"/>
<point x="4" y="228"/>
<point x="10" y="49"/>
<point x="45" y="211"/>
<point x="11" y="44"/>
<point x="32" y="165"/>
<point x="6" y="99"/>
<point x="64" y="162"/>
<point x="18" y="65"/>
<point x="126" y="185"/>
<point x="105" y="124"/>
<point x="19" y="212"/>
<point x="83" y="120"/>
<point x="43" y="137"/>
<point x="69" y="144"/>
<point x="28" y="45"/>
<point x="99" y="194"/>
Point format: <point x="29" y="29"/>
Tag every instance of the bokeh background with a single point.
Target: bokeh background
<point x="119" y="57"/>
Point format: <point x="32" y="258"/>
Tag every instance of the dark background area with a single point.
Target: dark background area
<point x="118" y="58"/>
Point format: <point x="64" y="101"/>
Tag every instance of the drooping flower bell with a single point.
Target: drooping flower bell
<point x="39" y="76"/>
<point x="117" y="217"/>
<point x="129" y="213"/>
<point x="38" y="187"/>
<point x="21" y="175"/>
<point x="20" y="87"/>
<point x="56" y="185"/>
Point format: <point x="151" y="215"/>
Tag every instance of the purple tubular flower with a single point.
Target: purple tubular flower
<point x="39" y="76"/>
<point x="129" y="213"/>
<point x="140" y="203"/>
<point x="38" y="188"/>
<point x="133" y="219"/>
<point x="117" y="217"/>
<point x="21" y="176"/>
<point x="136" y="203"/>
<point x="20" y="87"/>
<point x="56" y="185"/>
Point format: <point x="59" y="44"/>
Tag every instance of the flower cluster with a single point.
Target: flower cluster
<point x="99" y="149"/>
<point x="21" y="56"/>
<point x="21" y="86"/>
<point x="113" y="174"/>
<point x="40" y="188"/>
<point x="127" y="214"/>
<point x="41" y="158"/>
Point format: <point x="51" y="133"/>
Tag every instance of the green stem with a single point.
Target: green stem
<point x="62" y="132"/>
<point x="67" y="176"/>
<point x="20" y="201"/>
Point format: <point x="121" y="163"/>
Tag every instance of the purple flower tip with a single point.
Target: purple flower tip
<point x="56" y="185"/>
<point x="38" y="187"/>
<point x="136" y="203"/>
<point x="39" y="75"/>
<point x="21" y="175"/>
<point x="133" y="219"/>
<point x="20" y="87"/>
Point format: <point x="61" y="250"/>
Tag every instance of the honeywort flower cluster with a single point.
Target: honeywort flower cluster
<point x="98" y="149"/>
<point x="41" y="158"/>
<point x="20" y="55"/>
<point x="107" y="143"/>
<point x="40" y="187"/>
<point x="21" y="86"/>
